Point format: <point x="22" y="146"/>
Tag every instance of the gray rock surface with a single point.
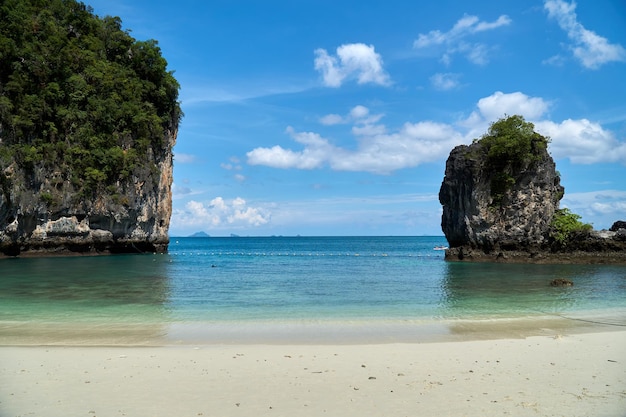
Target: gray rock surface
<point x="517" y="227"/>
<point x="133" y="218"/>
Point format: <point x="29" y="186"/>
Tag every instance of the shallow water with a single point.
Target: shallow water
<point x="207" y="287"/>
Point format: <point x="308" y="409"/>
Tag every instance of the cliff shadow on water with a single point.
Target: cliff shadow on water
<point x="94" y="300"/>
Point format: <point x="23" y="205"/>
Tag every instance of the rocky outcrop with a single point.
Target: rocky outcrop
<point x="620" y="224"/>
<point x="471" y="220"/>
<point x="485" y="219"/>
<point x="88" y="119"/>
<point x="133" y="217"/>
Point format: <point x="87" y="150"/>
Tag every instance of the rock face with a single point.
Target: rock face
<point x="471" y="220"/>
<point x="620" y="224"/>
<point x="134" y="219"/>
<point x="484" y="220"/>
<point x="88" y="119"/>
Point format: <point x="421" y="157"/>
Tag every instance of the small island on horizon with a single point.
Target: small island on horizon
<point x="199" y="234"/>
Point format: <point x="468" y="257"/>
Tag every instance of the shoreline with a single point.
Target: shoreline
<point x="304" y="332"/>
<point x="538" y="257"/>
<point x="558" y="375"/>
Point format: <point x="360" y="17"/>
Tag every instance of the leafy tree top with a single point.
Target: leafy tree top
<point x="510" y="145"/>
<point x="512" y="141"/>
<point x="79" y="93"/>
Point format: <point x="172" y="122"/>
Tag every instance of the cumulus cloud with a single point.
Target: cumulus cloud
<point x="454" y="41"/>
<point x="353" y="61"/>
<point x="591" y="49"/>
<point x="582" y="141"/>
<point x="499" y="104"/>
<point x="220" y="212"/>
<point x="379" y="149"/>
<point x="409" y="146"/>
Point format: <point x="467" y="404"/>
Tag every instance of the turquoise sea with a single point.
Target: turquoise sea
<point x="295" y="288"/>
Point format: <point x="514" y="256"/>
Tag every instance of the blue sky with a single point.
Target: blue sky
<point x="336" y="117"/>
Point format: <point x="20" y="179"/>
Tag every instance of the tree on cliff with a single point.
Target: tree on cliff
<point x="79" y="95"/>
<point x="501" y="192"/>
<point x="88" y="120"/>
<point x="510" y="144"/>
<point x="500" y="198"/>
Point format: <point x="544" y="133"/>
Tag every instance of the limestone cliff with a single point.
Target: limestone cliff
<point x="133" y="219"/>
<point x="500" y="196"/>
<point x="88" y="119"/>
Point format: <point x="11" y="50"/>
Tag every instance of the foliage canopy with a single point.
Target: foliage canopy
<point x="79" y="94"/>
<point x="510" y="144"/>
<point x="566" y="224"/>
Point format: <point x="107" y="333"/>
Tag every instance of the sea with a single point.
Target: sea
<point x="298" y="290"/>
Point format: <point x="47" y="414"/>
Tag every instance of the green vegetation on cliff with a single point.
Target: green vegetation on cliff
<point x="566" y="225"/>
<point x="79" y="95"/>
<point x="510" y="144"/>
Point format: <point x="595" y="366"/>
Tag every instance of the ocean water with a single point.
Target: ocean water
<point x="220" y="288"/>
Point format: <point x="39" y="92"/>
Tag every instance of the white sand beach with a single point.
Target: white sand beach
<point x="548" y="375"/>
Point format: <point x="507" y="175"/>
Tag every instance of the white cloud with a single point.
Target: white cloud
<point x="368" y="129"/>
<point x="582" y="141"/>
<point x="381" y="150"/>
<point x="313" y="156"/>
<point x="445" y="81"/>
<point x="496" y="106"/>
<point x="220" y="213"/>
<point x="377" y="151"/>
<point x="590" y="49"/>
<point x="355" y="60"/>
<point x="184" y="158"/>
<point x="499" y="104"/>
<point x="454" y="40"/>
<point x="597" y="206"/>
<point x="411" y="145"/>
<point x="278" y="157"/>
<point x="331" y="119"/>
<point x="365" y="124"/>
<point x="358" y="114"/>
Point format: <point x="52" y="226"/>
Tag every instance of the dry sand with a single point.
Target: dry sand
<point x="569" y="375"/>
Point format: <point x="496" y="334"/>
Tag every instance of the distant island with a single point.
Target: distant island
<point x="199" y="234"/>
<point x="500" y="198"/>
<point x="88" y="119"/>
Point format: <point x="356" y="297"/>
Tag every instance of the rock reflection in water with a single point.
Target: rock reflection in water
<point x="84" y="300"/>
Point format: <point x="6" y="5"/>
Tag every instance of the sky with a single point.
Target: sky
<point x="335" y="118"/>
